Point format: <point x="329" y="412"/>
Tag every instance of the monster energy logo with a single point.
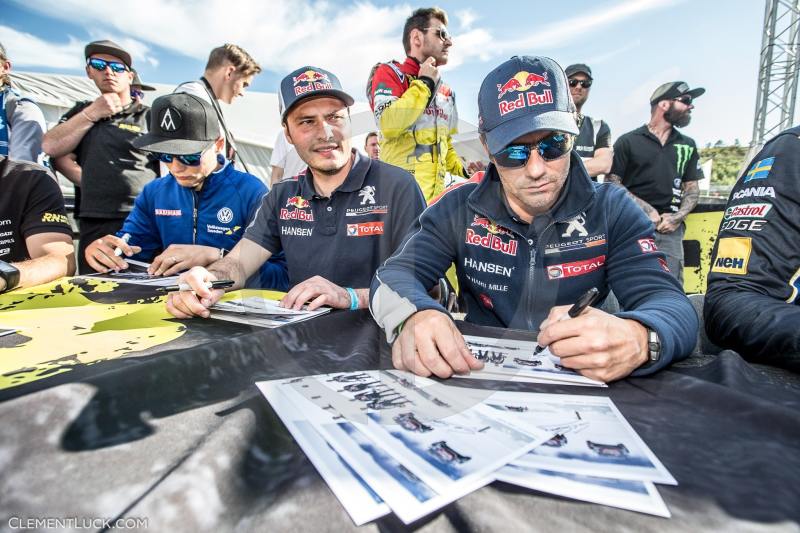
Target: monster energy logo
<point x="684" y="153"/>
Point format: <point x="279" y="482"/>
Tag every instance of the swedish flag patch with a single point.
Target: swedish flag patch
<point x="759" y="170"/>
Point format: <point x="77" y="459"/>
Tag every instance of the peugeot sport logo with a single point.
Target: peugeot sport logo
<point x="367" y="194"/>
<point x="576" y="224"/>
<point x="170" y="120"/>
<point x="225" y="215"/>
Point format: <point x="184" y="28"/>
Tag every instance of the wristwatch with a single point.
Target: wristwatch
<point x="653" y="346"/>
<point x="10" y="274"/>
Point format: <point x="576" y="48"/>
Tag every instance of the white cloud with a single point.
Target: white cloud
<point x="285" y="34"/>
<point x="26" y="50"/>
<point x="603" y="58"/>
<point x="560" y="33"/>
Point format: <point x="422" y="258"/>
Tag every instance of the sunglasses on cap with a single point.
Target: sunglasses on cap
<point x="550" y="148"/>
<point x="686" y="99"/>
<point x="441" y="33"/>
<point x="101" y="64"/>
<point x="583" y="83"/>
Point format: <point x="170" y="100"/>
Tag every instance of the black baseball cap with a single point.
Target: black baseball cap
<point x="523" y="95"/>
<point x="108" y="47"/>
<point x="578" y="67"/>
<point x="674" y="89"/>
<point x="307" y="82"/>
<point x="138" y="81"/>
<point x="180" y="124"/>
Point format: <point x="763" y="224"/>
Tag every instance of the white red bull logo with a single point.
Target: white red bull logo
<point x="492" y="242"/>
<point x="311" y="80"/>
<point x="492" y="227"/>
<point x="575" y="268"/>
<point x="299" y="212"/>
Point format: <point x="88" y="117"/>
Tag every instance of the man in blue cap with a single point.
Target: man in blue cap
<point x="529" y="240"/>
<point x="336" y="222"/>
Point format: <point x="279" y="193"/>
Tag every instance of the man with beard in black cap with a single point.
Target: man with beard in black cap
<point x="659" y="167"/>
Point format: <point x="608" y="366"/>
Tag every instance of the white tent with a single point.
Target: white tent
<point x="253" y="119"/>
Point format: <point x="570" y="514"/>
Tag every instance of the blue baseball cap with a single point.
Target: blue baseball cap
<point x="307" y="82"/>
<point x="523" y="95"/>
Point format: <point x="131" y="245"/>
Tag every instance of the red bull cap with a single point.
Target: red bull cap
<point x="307" y="82"/>
<point x="523" y="95"/>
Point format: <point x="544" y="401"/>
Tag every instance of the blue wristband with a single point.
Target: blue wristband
<point x="353" y="298"/>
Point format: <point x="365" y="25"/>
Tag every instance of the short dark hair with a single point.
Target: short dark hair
<point x="5" y="79"/>
<point x="236" y="56"/>
<point x="419" y="20"/>
<point x="370" y="134"/>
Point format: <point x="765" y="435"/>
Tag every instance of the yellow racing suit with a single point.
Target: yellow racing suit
<point x="416" y="129"/>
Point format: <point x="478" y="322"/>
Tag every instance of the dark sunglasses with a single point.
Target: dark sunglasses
<point x="190" y="160"/>
<point x="441" y="33"/>
<point x="101" y="64"/>
<point x="685" y="99"/>
<point x="583" y="83"/>
<point x="550" y="148"/>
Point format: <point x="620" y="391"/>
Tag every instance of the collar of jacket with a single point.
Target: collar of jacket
<point x="353" y="182"/>
<point x="576" y="196"/>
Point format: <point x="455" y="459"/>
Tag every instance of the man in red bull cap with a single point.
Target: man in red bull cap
<point x="529" y="240"/>
<point x="336" y="222"/>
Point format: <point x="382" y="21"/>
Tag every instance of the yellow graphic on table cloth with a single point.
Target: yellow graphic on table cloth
<point x="62" y="328"/>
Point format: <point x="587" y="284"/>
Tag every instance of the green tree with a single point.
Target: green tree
<point x="728" y="160"/>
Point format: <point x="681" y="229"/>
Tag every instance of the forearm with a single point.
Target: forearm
<point x="68" y="167"/>
<point x="54" y="265"/>
<point x="64" y="138"/>
<point x="241" y="263"/>
<point x="691" y="193"/>
<point x="648" y="209"/>
<point x="600" y="163"/>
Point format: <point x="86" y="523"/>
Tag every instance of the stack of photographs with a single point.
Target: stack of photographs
<point x="262" y="312"/>
<point x="389" y="441"/>
<point x="512" y="360"/>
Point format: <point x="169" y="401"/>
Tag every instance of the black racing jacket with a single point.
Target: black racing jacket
<point x="752" y="304"/>
<point x="511" y="273"/>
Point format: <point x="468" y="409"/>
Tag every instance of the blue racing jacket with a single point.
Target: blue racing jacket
<point x="512" y="273"/>
<point x="166" y="213"/>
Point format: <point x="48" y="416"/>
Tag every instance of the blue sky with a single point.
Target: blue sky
<point x="632" y="45"/>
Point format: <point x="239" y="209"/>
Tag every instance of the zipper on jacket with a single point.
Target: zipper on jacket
<point x="195" y="203"/>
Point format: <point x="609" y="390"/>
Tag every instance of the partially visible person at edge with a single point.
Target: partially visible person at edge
<point x="197" y="213"/>
<point x="285" y="161"/>
<point x="372" y="145"/>
<point x="659" y="166"/>
<point x="336" y="222"/>
<point x="37" y="238"/>
<point x="593" y="143"/>
<point x="229" y="72"/>
<point x="528" y="241"/>
<point x="22" y="124"/>
<point x="92" y="146"/>
<point x="138" y="88"/>
<point x="752" y="304"/>
<point x="414" y="109"/>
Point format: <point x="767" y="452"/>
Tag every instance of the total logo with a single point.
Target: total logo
<point x="492" y="227"/>
<point x="576" y="268"/>
<point x="748" y="211"/>
<point x="648" y="245"/>
<point x="299" y="212"/>
<point x="311" y="80"/>
<point x="365" y="229"/>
